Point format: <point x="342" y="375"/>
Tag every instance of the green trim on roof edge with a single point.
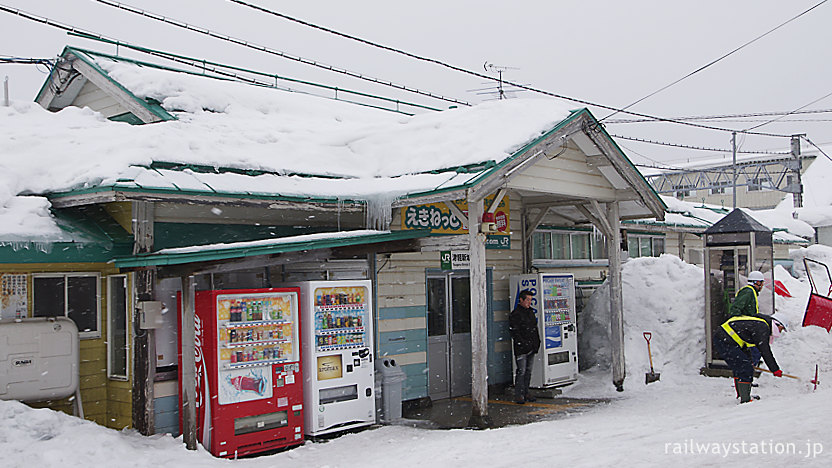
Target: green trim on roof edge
<point x="152" y="107"/>
<point x="215" y="254"/>
<point x="116" y="188"/>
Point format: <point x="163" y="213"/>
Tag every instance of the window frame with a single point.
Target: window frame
<point x="110" y="329"/>
<point x="721" y="187"/>
<point x="84" y="335"/>
<point x="684" y="190"/>
<point x="590" y="244"/>
<point x="757" y="184"/>
<point x="634" y="238"/>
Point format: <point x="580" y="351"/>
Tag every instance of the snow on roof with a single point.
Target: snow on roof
<point x="227" y="124"/>
<point x="682" y="213"/>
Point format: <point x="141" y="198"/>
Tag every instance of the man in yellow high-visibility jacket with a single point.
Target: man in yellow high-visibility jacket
<point x="747" y="302"/>
<point x="735" y="337"/>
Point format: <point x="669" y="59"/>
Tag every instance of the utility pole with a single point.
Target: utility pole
<point x="734" y="151"/>
<point x="798" y="194"/>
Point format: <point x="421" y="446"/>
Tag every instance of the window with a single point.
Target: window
<point x="643" y="245"/>
<point x="117" y="319"/>
<point x="73" y="295"/>
<point x="758" y="183"/>
<point x="567" y="245"/>
<point x="684" y="190"/>
<point x="719" y="186"/>
<point x="542" y="245"/>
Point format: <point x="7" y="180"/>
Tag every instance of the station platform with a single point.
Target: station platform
<point x="455" y="413"/>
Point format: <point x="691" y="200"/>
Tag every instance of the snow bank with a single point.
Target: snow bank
<point x="662" y="295"/>
<point x="46" y="438"/>
<point x="666" y="297"/>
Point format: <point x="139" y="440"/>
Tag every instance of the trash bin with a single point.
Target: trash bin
<point x="392" y="378"/>
<point x="379" y="408"/>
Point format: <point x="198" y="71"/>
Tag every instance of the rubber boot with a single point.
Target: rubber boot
<point x="744" y="390"/>
<point x="737" y="387"/>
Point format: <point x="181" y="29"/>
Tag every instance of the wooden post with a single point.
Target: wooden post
<point x="479" y="317"/>
<point x="616" y="299"/>
<point x="188" y="371"/>
<point x="144" y="343"/>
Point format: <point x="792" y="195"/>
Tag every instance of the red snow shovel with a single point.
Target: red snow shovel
<point x="650" y="376"/>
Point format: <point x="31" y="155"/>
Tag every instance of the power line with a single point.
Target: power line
<point x="718" y="59"/>
<point x="26" y="60"/>
<point x="792" y="112"/>
<point x="726" y="116"/>
<point x="452" y="67"/>
<point x="487" y="77"/>
<point x="816" y="146"/>
<point x="691" y="147"/>
<point x="260" y="48"/>
<point x="221" y="69"/>
<point x="213" y="67"/>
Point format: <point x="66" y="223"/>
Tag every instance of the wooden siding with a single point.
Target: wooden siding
<point x="122" y="212"/>
<point x="91" y="96"/>
<point x="105" y="401"/>
<point x="402" y="321"/>
<point x="568" y="174"/>
<point x="166" y="407"/>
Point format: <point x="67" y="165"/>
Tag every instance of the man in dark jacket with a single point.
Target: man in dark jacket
<point x="735" y="337"/>
<point x="747" y="302"/>
<point x="526" y="337"/>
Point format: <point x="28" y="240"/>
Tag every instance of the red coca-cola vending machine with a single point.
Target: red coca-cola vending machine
<point x="249" y="383"/>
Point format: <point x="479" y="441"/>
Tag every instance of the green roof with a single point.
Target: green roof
<point x="263" y="247"/>
<point x="88" y="234"/>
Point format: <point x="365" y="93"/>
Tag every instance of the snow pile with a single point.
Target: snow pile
<point x="662" y="295"/>
<point x="46" y="438"/>
<point x="665" y="296"/>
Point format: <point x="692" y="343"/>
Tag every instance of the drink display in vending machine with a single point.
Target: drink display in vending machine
<point x="338" y="355"/>
<point x="249" y="379"/>
<point x="553" y="300"/>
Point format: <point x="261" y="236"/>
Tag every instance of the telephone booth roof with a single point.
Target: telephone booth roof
<point x="735" y="229"/>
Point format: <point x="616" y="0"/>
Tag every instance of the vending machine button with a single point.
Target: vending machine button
<point x="349" y="367"/>
<point x="357" y="362"/>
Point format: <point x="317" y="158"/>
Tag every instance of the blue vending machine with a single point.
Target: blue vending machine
<point x="553" y="300"/>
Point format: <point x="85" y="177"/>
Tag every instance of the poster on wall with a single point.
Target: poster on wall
<point x="440" y="220"/>
<point x="13" y="294"/>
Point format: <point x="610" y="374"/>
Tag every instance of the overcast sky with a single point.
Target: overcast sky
<point x="606" y="52"/>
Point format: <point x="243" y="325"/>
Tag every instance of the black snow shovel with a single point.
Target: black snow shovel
<point x="650" y="376"/>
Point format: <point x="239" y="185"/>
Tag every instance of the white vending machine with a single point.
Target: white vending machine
<point x="553" y="301"/>
<point x="338" y="393"/>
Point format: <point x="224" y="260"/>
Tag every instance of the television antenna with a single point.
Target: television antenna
<point x="500" y="90"/>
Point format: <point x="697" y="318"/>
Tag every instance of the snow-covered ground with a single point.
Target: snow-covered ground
<point x="682" y="420"/>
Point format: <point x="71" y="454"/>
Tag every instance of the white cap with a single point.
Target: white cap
<point x="756" y="276"/>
